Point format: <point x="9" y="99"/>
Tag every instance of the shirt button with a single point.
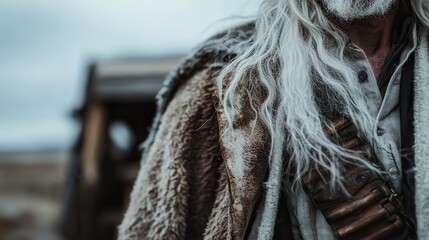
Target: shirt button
<point x="380" y="131"/>
<point x="362" y="76"/>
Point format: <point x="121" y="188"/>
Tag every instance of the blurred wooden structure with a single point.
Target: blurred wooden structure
<point x="116" y="117"/>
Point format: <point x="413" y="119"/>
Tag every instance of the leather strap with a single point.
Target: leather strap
<point x="372" y="209"/>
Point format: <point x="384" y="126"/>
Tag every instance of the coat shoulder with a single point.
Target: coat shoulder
<point x="204" y="62"/>
<point x="212" y="54"/>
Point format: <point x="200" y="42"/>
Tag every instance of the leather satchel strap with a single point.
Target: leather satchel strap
<point x="372" y="209"/>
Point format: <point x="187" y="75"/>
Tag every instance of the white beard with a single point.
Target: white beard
<point x="357" y="9"/>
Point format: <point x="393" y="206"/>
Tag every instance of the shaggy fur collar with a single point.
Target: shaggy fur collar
<point x="208" y="55"/>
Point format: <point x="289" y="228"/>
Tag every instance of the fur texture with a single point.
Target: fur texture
<point x="182" y="190"/>
<point x="421" y="123"/>
<point x="199" y="181"/>
<point x="181" y="180"/>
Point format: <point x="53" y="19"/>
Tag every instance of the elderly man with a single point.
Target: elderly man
<point x="312" y="122"/>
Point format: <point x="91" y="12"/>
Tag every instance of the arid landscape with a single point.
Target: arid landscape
<point x="31" y="195"/>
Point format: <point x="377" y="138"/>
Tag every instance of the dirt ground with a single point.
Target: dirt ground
<point x="31" y="195"/>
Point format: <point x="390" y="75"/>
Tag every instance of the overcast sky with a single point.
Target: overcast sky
<point x="45" y="47"/>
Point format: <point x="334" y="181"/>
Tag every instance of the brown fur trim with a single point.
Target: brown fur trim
<point x="176" y="187"/>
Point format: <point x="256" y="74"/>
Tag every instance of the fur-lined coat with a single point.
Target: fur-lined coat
<point x="196" y="182"/>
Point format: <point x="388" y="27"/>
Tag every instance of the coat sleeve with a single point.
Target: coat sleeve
<point x="180" y="181"/>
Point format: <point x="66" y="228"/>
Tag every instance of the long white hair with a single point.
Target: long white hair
<point x="420" y="9"/>
<point x="297" y="56"/>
